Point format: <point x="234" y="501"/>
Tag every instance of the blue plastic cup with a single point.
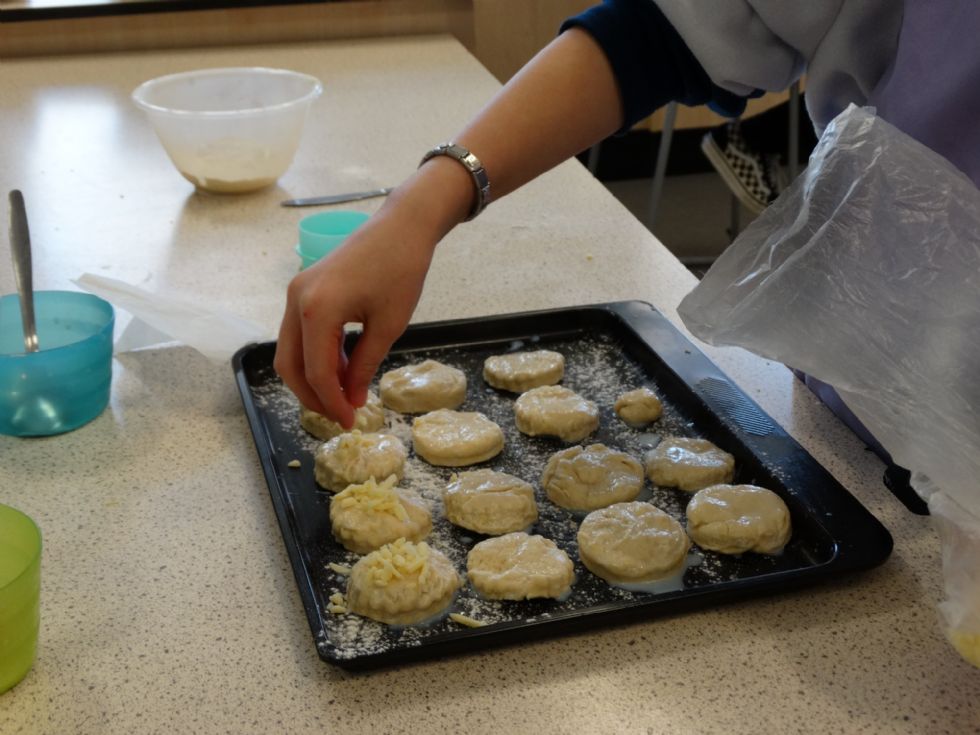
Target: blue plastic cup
<point x="321" y="233"/>
<point x="66" y="383"/>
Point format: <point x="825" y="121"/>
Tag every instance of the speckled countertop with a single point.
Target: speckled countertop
<point x="168" y="602"/>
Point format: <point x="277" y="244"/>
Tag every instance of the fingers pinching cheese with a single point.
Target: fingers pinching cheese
<point x="369" y="417"/>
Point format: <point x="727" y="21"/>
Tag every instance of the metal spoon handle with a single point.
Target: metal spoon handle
<point x="20" y="241"/>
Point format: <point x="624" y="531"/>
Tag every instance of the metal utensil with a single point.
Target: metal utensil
<point x="20" y="243"/>
<point x="337" y="198"/>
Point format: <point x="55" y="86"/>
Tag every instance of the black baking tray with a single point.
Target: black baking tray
<point x="609" y="348"/>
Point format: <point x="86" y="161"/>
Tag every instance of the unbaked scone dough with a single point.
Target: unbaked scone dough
<point x="639" y="407"/>
<point x="456" y="438"/>
<point x="688" y="464"/>
<point x="553" y="410"/>
<point x="517" y="566"/>
<point x="402" y="583"/>
<point x="427" y="386"/>
<point x="521" y="371"/>
<point x="632" y="543"/>
<point x="369" y="417"/>
<point x="353" y="457"/>
<point x="367" y="516"/>
<point x="490" y="502"/>
<point x="733" y="519"/>
<point x="586" y="478"/>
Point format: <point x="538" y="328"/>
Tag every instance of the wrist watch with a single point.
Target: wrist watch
<point x="472" y="164"/>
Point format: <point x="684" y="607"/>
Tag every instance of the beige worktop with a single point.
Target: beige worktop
<point x="168" y="602"/>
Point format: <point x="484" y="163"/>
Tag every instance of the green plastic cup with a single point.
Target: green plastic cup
<point x="321" y="233"/>
<point x="20" y="595"/>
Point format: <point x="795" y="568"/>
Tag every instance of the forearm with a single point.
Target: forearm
<point x="562" y="102"/>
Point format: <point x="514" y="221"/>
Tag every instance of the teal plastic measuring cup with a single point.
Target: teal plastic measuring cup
<point x="323" y="232"/>
<point x="66" y="383"/>
<point x="20" y="595"/>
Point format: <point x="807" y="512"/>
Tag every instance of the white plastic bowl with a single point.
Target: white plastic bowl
<point x="229" y="130"/>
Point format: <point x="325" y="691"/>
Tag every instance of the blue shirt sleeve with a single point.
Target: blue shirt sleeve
<point x="651" y="62"/>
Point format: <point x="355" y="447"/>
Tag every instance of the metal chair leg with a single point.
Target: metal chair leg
<point x="793" y="154"/>
<point x="592" y="163"/>
<point x="663" y="152"/>
<point x="735" y="219"/>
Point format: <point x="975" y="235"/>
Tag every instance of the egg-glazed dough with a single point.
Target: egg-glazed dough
<point x="427" y="386"/>
<point x="517" y="566"/>
<point x="521" y="371"/>
<point x="639" y="407"/>
<point x="365" y="517"/>
<point x="586" y="478"/>
<point x="553" y="410"/>
<point x="733" y="519"/>
<point x="490" y="502"/>
<point x="402" y="583"/>
<point x="369" y="417"/>
<point x="455" y="438"/>
<point x="354" y="457"/>
<point x="632" y="543"/>
<point x="688" y="464"/>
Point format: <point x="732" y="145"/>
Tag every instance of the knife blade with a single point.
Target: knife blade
<point x="337" y="198"/>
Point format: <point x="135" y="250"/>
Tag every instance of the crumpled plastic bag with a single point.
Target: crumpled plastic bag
<point x="865" y="274"/>
<point x="161" y="318"/>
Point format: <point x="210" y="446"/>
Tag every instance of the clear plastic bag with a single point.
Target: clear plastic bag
<point x="865" y="274"/>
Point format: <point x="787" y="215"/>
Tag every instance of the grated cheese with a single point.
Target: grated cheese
<point x="339" y="568"/>
<point x="373" y="498"/>
<point x="466" y="620"/>
<point x="397" y="560"/>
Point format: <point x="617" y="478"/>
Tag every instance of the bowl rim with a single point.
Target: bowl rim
<point x="107" y="328"/>
<point x="139" y="93"/>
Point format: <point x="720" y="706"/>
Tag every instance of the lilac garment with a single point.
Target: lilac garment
<point x="932" y="93"/>
<point x="932" y="90"/>
<point x="832" y="400"/>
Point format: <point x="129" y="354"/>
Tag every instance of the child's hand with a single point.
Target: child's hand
<point x="375" y="278"/>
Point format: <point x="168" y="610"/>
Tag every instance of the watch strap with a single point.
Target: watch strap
<point x="475" y="168"/>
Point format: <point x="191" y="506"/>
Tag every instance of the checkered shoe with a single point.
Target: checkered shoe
<point x="753" y="177"/>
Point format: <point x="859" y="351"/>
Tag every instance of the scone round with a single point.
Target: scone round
<point x="426" y="386"/>
<point x="518" y="566"/>
<point x="456" y="438"/>
<point x="632" y="543"/>
<point x="490" y="502"/>
<point x="369" y="417"/>
<point x="354" y="457"/>
<point x="367" y="516"/>
<point x="521" y="371"/>
<point x="586" y="478"/>
<point x="639" y="407"/>
<point x="553" y="410"/>
<point x="424" y="585"/>
<point x="688" y="464"/>
<point x="734" y="519"/>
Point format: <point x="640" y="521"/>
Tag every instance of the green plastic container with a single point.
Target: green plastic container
<point x="321" y="233"/>
<point x="20" y="595"/>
